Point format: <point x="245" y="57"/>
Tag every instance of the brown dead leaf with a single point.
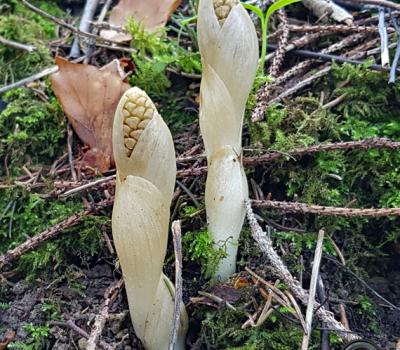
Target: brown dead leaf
<point x="7" y="339"/>
<point x="152" y="13"/>
<point x="89" y="97"/>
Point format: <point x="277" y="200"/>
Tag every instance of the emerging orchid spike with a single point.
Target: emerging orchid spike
<point x="229" y="51"/>
<point x="146" y="169"/>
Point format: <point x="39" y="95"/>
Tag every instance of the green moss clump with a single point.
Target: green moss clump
<point x="19" y="24"/>
<point x="221" y="329"/>
<point x="25" y="214"/>
<point x="199" y="246"/>
<point x="30" y="130"/>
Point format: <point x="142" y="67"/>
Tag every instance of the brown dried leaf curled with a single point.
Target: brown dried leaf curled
<point x="152" y="13"/>
<point x="89" y="97"/>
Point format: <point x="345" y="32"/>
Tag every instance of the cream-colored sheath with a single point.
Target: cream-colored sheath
<point x="229" y="51"/>
<point x="146" y="169"/>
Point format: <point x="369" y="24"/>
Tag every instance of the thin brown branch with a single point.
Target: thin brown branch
<point x="51" y="232"/>
<point x="283" y="40"/>
<point x="334" y="146"/>
<point x="247" y="161"/>
<point x="110" y="295"/>
<point x="303" y="208"/>
<point x="381" y="3"/>
<point x="265" y="244"/>
<point x="335" y="28"/>
<point x="71" y="325"/>
<point x="64" y="24"/>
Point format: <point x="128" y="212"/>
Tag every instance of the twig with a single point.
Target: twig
<point x="16" y="45"/>
<point x="100" y="19"/>
<point x="393" y="69"/>
<point x="87" y="186"/>
<point x="362" y="144"/>
<point x="265" y="310"/>
<point x="265" y="244"/>
<point x="312" y="290"/>
<point x="84" y="24"/>
<point x="110" y="295"/>
<point x="383" y="3"/>
<point x="66" y="25"/>
<point x="256" y="160"/>
<point x="343" y="317"/>
<point x="322" y="8"/>
<point x="385" y="62"/>
<point x="45" y="72"/>
<point x="323" y="296"/>
<point x="176" y="235"/>
<point x="280" y="50"/>
<point x="70" y="135"/>
<point x="70" y="324"/>
<point x="298" y="311"/>
<point x="303" y="208"/>
<point x="51" y="232"/>
<point x="338" y="59"/>
<point x="334" y="28"/>
<point x="217" y="299"/>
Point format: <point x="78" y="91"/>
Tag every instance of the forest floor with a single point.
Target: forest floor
<point x="328" y="134"/>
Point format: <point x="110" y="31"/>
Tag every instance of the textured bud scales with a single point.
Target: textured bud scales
<point x="137" y="113"/>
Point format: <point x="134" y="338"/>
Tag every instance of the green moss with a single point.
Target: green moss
<point x="30" y="130"/>
<point x="24" y="26"/>
<point x="199" y="246"/>
<point x="221" y="329"/>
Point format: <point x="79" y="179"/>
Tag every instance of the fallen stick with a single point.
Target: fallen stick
<point x="16" y="45"/>
<point x="71" y="325"/>
<point x="62" y="23"/>
<point x="383" y="3"/>
<point x="45" y="72"/>
<point x="251" y="161"/>
<point x="84" y="24"/>
<point x="110" y="295"/>
<point x="265" y="244"/>
<point x="321" y="8"/>
<point x="312" y="290"/>
<point x="51" y="232"/>
<point x="176" y="235"/>
<point x="303" y="208"/>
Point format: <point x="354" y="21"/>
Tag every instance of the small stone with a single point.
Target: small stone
<point x="143" y="123"/>
<point x="130" y="143"/>
<point x="132" y="122"/>
<point x="136" y="134"/>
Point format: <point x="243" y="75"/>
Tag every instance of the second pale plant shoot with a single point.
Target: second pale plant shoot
<point x="229" y="52"/>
